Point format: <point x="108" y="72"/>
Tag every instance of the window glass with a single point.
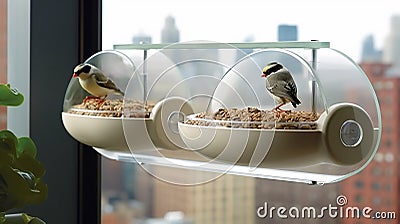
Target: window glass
<point x="17" y="70"/>
<point x="130" y="194"/>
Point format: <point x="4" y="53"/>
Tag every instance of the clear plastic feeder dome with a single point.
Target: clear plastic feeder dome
<point x="204" y="106"/>
<point x="334" y="131"/>
<point x="92" y="121"/>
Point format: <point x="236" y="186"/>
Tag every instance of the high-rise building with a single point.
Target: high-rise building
<point x="228" y="199"/>
<point x="3" y="56"/>
<point x="123" y="197"/>
<point x="287" y="33"/>
<point x="141" y="38"/>
<point x="170" y="33"/>
<point x="369" y="52"/>
<point x="378" y="186"/>
<point x="391" y="51"/>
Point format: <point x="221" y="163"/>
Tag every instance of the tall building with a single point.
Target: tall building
<point x="378" y="186"/>
<point x="170" y="33"/>
<point x="123" y="198"/>
<point x="369" y="52"/>
<point x="287" y="33"/>
<point x="141" y="38"/>
<point x="391" y="51"/>
<point x="3" y="57"/>
<point x="228" y="199"/>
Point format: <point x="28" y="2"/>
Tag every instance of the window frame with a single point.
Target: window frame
<point x="53" y="42"/>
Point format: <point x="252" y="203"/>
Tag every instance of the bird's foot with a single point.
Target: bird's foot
<point x="278" y="111"/>
<point x="278" y="108"/>
<point x="87" y="98"/>
<point x="100" y="102"/>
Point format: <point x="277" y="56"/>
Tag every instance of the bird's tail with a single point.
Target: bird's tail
<point x="295" y="102"/>
<point x="119" y="92"/>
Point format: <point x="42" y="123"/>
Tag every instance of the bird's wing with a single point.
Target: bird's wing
<point x="292" y="91"/>
<point x="279" y="89"/>
<point x="284" y="86"/>
<point x="271" y="88"/>
<point x="285" y="90"/>
<point x="291" y="87"/>
<point x="104" y="81"/>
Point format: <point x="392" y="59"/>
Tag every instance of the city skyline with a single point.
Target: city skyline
<point x="215" y="21"/>
<point x="360" y="190"/>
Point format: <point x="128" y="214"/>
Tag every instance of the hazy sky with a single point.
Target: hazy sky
<point x="343" y="23"/>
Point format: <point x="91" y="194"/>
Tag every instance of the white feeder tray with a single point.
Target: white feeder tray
<point x="344" y="137"/>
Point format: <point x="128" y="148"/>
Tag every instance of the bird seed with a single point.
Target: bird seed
<point x="252" y="117"/>
<point x="113" y="108"/>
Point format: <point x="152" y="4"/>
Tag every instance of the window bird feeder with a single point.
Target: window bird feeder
<point x="203" y="106"/>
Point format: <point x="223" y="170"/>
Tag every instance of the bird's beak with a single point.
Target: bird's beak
<point x="263" y="75"/>
<point x="75" y="75"/>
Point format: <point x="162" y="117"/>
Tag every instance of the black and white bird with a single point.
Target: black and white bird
<point x="280" y="84"/>
<point x="95" y="82"/>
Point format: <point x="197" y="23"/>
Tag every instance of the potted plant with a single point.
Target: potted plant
<point x="20" y="172"/>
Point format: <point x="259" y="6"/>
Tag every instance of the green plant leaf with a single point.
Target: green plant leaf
<point x="8" y="142"/>
<point x="26" y="146"/>
<point x="10" y="96"/>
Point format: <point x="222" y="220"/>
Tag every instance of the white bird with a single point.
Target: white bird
<point x="95" y="82"/>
